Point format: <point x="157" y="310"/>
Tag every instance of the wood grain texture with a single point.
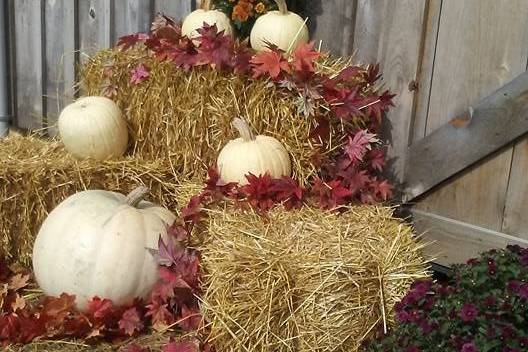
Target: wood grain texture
<point x="95" y="26"/>
<point x="482" y="44"/>
<point x="390" y="32"/>
<point x="331" y="24"/>
<point x="454" y="242"/>
<point x="425" y="72"/>
<point x="498" y="119"/>
<point x="516" y="210"/>
<point x="61" y="40"/>
<point x="29" y="69"/>
<point x="175" y="9"/>
<point x="132" y="16"/>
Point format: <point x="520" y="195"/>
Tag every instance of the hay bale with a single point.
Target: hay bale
<point x="305" y="280"/>
<point x="186" y="115"/>
<point x="36" y="175"/>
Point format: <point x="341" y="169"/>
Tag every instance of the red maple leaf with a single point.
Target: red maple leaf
<point x="167" y="253"/>
<point x="191" y="319"/>
<point x="383" y="190"/>
<point x="380" y="105"/>
<point x="377" y="159"/>
<point x="287" y="191"/>
<point x="192" y="213"/>
<point x="350" y="104"/>
<point x="160" y="314"/>
<point x="178" y="232"/>
<point x="215" y="48"/>
<point x="321" y="131"/>
<point x="304" y="57"/>
<point x="258" y="191"/>
<point x="101" y="310"/>
<point x="348" y="73"/>
<point x="330" y="194"/>
<point x="215" y="188"/>
<point x="357" y="146"/>
<point x="139" y="74"/>
<point x="128" y="41"/>
<point x="372" y="74"/>
<point x="131" y="321"/>
<point x="269" y="63"/>
<point x="181" y="346"/>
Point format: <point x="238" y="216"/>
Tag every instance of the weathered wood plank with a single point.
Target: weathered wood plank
<point x="331" y="23"/>
<point x="391" y="32"/>
<point x="95" y="26"/>
<point x="29" y="37"/>
<point x="481" y="46"/>
<point x="175" y="9"/>
<point x="425" y="72"/>
<point x="60" y="57"/>
<point x="498" y="120"/>
<point x="455" y="241"/>
<point x="132" y="16"/>
<point x="516" y="210"/>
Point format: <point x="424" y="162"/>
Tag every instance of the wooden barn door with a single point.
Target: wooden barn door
<point x="466" y="167"/>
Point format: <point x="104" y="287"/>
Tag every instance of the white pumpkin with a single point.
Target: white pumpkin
<point x="283" y="28"/>
<point x="95" y="243"/>
<point x="93" y="127"/>
<point x="196" y="19"/>
<point x="249" y="154"/>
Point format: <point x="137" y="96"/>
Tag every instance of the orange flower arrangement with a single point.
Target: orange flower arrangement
<point x="242" y="11"/>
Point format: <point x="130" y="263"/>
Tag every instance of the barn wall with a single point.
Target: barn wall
<point x="439" y="56"/>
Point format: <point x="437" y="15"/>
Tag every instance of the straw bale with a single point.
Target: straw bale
<point x="305" y="280"/>
<point x="186" y="115"/>
<point x="36" y="175"/>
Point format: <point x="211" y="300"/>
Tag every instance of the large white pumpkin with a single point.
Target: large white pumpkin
<point x="93" y="127"/>
<point x="95" y="243"/>
<point x="249" y="154"/>
<point x="196" y="19"/>
<point x="283" y="28"/>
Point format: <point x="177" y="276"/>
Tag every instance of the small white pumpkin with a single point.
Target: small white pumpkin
<point x="95" y="243"/>
<point x="250" y="154"/>
<point x="196" y="19"/>
<point x="283" y="28"/>
<point x="93" y="127"/>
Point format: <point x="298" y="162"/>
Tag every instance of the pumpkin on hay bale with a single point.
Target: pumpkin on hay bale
<point x="305" y="280"/>
<point x="185" y="116"/>
<point x="36" y="175"/>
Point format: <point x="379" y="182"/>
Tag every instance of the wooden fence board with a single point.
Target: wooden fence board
<point x="425" y="71"/>
<point x="480" y="47"/>
<point x="29" y="64"/>
<point x="455" y="241"/>
<point x="95" y="26"/>
<point x="497" y="120"/>
<point x="176" y="9"/>
<point x="516" y="210"/>
<point x="60" y="58"/>
<point x="132" y="16"/>
<point x="332" y="23"/>
<point x="390" y="32"/>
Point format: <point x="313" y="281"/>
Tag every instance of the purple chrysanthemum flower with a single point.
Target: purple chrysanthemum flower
<point x="469" y="347"/>
<point x="468" y="312"/>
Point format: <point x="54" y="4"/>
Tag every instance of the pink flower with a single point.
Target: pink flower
<point x="139" y="74"/>
<point x="469" y="347"/>
<point x="468" y="312"/>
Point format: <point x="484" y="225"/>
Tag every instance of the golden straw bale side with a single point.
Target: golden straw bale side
<point x="36" y="175"/>
<point x="305" y="280"/>
<point x="185" y="115"/>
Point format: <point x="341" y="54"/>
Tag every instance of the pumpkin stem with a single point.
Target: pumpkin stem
<point x="283" y="8"/>
<point x="137" y="195"/>
<point x="206" y="5"/>
<point x="243" y="129"/>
